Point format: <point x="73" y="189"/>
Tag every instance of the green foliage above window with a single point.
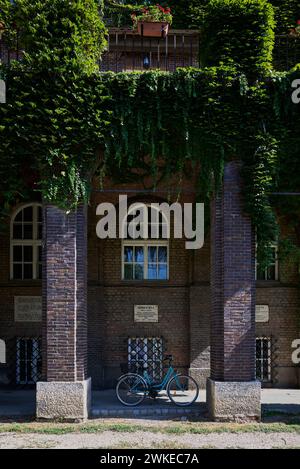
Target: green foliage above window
<point x="239" y="32"/>
<point x="5" y="8"/>
<point x="51" y="126"/>
<point x="64" y="122"/>
<point x="164" y="123"/>
<point x="59" y="33"/>
<point x="287" y="12"/>
<point x="186" y="14"/>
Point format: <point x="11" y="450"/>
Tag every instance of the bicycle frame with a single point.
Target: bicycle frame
<point x="171" y="372"/>
<point x="143" y="385"/>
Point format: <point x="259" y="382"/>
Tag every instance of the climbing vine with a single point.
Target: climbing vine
<point x="235" y="43"/>
<point x="52" y="124"/>
<point x="287" y="12"/>
<point x="64" y="122"/>
<point x="216" y="117"/>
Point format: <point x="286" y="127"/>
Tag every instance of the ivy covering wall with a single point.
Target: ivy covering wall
<point x="188" y="13"/>
<point x="64" y="122"/>
<point x="52" y="126"/>
<point x="287" y="12"/>
<point x="227" y="38"/>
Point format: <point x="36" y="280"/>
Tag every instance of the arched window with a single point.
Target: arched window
<point x="2" y="352"/>
<point x="145" y="258"/>
<point x="26" y="243"/>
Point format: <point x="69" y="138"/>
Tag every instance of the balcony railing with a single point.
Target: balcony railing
<point x="128" y="51"/>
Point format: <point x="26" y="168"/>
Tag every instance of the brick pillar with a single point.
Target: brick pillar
<point x="65" y="393"/>
<point x="233" y="392"/>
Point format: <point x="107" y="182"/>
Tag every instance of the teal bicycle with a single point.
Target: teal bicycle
<point x="133" y="388"/>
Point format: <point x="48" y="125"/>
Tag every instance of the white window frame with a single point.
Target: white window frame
<point x="35" y="242"/>
<point x="145" y="243"/>
<point x="274" y="246"/>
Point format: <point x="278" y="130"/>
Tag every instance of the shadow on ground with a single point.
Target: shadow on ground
<point x="278" y="405"/>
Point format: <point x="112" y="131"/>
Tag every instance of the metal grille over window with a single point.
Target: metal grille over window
<point x="146" y="354"/>
<point x="28" y="361"/>
<point x="263" y="359"/>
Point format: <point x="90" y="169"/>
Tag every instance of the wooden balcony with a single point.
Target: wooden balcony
<point x="128" y="51"/>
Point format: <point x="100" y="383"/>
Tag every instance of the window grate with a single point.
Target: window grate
<point x="28" y="360"/>
<point x="146" y="354"/>
<point x="264" y="359"/>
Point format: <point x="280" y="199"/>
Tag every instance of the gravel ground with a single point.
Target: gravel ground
<point x="149" y="440"/>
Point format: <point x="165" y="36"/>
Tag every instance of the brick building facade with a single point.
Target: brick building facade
<point x="231" y="330"/>
<point x="206" y="303"/>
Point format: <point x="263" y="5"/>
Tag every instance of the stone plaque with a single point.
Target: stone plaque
<point x="145" y="313"/>
<point x="28" y="308"/>
<point x="262" y="313"/>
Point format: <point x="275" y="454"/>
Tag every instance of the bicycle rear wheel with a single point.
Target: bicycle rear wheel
<point x="182" y="390"/>
<point x="131" y="389"/>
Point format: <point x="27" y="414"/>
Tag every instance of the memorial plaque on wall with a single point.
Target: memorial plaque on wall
<point x="28" y="308"/>
<point x="145" y="313"/>
<point x="262" y="313"/>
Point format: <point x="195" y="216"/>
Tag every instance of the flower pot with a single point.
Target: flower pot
<point x="151" y="29"/>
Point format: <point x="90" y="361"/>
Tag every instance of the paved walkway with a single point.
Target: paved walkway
<point x="105" y="404"/>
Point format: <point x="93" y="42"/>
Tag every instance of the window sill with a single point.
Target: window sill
<point x="145" y="283"/>
<point x="267" y="283"/>
<point x="24" y="283"/>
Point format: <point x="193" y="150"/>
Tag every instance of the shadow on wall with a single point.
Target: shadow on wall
<point x="3" y="368"/>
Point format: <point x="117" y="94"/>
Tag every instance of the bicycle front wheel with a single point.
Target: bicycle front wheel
<point x="131" y="389"/>
<point x="183" y="390"/>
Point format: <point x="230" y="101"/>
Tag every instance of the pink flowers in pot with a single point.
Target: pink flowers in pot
<point x="153" y="14"/>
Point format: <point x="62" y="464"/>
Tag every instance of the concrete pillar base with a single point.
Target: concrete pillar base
<point x="70" y="401"/>
<point x="234" y="401"/>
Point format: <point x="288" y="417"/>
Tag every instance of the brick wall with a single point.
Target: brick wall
<point x="9" y="329"/>
<point x="65" y="291"/>
<point x="184" y="306"/>
<point x="232" y="284"/>
<point x="114" y="323"/>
